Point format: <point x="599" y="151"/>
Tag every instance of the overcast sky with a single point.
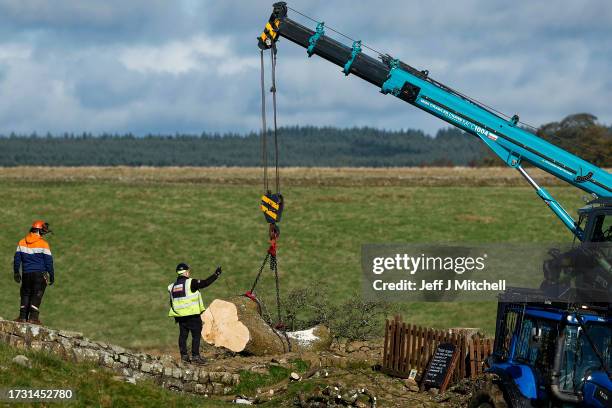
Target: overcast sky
<point x="154" y="66"/>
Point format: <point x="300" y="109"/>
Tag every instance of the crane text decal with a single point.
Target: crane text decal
<point x="458" y="119"/>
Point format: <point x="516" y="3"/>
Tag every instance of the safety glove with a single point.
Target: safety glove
<point x="49" y="278"/>
<point x="17" y="277"/>
<point x="218" y="271"/>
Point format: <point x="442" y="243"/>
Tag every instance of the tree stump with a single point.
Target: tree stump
<point x="237" y="325"/>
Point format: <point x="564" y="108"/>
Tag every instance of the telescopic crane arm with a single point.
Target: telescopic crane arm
<point x="505" y="138"/>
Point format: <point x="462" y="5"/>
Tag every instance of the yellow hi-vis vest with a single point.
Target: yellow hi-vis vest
<point x="187" y="305"/>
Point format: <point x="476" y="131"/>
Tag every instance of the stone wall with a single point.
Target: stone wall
<point x="131" y="366"/>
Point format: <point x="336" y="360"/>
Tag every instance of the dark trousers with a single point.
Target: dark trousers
<point x="193" y="325"/>
<point x="33" y="286"/>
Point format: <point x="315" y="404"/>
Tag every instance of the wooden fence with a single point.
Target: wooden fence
<point x="479" y="349"/>
<point x="410" y="347"/>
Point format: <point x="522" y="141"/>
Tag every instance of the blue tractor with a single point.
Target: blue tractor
<point x="553" y="346"/>
<point x="548" y="354"/>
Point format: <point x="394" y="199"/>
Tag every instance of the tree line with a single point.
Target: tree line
<point x="298" y="146"/>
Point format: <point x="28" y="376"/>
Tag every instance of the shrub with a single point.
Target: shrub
<point x="355" y="319"/>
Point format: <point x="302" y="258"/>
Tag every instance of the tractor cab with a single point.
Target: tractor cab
<point x="552" y="352"/>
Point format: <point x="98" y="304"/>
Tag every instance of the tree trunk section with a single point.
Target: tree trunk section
<point x="237" y="325"/>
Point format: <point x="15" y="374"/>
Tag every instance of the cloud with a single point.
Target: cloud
<point x="90" y="14"/>
<point x="154" y="66"/>
<point x="175" y="57"/>
<point x="12" y="52"/>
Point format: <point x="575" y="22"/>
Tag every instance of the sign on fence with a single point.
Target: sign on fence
<point x="441" y="367"/>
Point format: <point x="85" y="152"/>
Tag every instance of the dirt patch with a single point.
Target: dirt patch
<point x="359" y="386"/>
<point x="347" y="375"/>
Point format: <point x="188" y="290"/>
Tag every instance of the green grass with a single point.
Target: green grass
<point x="250" y="381"/>
<point x="299" y="365"/>
<point x="116" y="244"/>
<point x="92" y="386"/>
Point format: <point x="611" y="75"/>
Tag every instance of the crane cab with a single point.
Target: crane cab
<point x="597" y="219"/>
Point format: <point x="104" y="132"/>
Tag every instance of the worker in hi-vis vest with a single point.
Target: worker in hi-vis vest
<point x="186" y="306"/>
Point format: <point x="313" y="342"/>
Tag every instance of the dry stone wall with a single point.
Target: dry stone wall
<point x="131" y="366"/>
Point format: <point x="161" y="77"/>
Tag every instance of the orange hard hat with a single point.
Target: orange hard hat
<point x="39" y="224"/>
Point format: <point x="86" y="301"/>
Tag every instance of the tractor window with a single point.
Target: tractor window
<point x="602" y="230"/>
<point x="503" y="340"/>
<point x="580" y="357"/>
<point x="567" y="378"/>
<point x="536" y="343"/>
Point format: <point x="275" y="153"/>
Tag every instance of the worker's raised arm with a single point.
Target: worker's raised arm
<point x="197" y="284"/>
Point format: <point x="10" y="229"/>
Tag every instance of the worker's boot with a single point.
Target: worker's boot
<point x="23" y="315"/>
<point x="198" y="360"/>
<point x="185" y="358"/>
<point x="33" y="319"/>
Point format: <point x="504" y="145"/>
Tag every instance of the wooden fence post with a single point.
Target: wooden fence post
<point x="385" y="362"/>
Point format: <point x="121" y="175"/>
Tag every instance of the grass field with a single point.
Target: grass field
<point x="120" y="232"/>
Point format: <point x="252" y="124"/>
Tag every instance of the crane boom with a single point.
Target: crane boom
<point x="511" y="143"/>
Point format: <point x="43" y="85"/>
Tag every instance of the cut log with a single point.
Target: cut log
<point x="237" y="325"/>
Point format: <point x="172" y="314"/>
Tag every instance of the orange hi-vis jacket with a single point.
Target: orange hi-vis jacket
<point x="33" y="254"/>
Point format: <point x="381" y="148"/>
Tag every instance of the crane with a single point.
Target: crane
<point x="504" y="137"/>
<point x="548" y="351"/>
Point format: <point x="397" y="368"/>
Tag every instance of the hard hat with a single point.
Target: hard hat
<point x="42" y="226"/>
<point x="182" y="268"/>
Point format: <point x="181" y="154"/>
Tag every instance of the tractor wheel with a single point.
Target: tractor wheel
<point x="490" y="396"/>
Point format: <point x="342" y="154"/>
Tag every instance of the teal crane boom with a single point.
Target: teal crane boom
<point x="504" y="137"/>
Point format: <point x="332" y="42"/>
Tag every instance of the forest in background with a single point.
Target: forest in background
<point x="307" y="146"/>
